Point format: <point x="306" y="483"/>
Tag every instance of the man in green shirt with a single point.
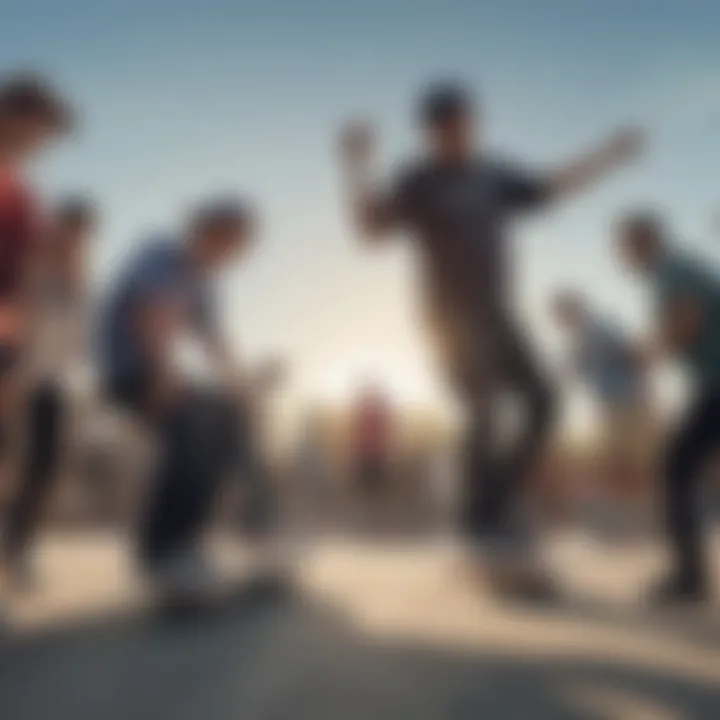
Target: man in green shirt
<point x="687" y="299"/>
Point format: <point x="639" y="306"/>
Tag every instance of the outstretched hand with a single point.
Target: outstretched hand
<point x="357" y="142"/>
<point x="626" y="144"/>
<point x="253" y="389"/>
<point x="620" y="148"/>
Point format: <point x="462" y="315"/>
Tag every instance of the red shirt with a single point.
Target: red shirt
<point x="18" y="230"/>
<point x="373" y="427"/>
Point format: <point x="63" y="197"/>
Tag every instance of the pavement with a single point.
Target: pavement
<point x="370" y="631"/>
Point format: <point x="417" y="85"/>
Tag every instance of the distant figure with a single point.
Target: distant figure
<point x="457" y="203"/>
<point x="312" y="472"/>
<point x="609" y="363"/>
<point x="55" y="346"/>
<point x="372" y="438"/>
<point x="442" y="487"/>
<point x="686" y="291"/>
<point x="165" y="291"/>
<point x="103" y="466"/>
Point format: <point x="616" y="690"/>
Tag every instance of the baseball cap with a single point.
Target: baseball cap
<point x="442" y="102"/>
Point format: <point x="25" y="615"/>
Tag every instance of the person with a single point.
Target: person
<point x="611" y="366"/>
<point x="312" y="472"/>
<point x="32" y="117"/>
<point x="457" y="203"/>
<point x="163" y="293"/>
<point x="686" y="289"/>
<point x="54" y="348"/>
<point x="371" y="440"/>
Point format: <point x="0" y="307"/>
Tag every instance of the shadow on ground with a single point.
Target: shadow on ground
<point x="283" y="657"/>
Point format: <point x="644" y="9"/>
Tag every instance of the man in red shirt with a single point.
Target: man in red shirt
<point x="32" y="116"/>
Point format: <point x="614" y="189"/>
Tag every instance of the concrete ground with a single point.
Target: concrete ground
<point x="372" y="631"/>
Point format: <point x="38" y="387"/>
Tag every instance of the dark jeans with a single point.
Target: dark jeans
<point x="487" y="364"/>
<point x="690" y="447"/>
<point x="45" y="415"/>
<point x="200" y="435"/>
<point x="10" y="355"/>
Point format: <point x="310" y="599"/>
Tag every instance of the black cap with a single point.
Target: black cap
<point x="442" y="102"/>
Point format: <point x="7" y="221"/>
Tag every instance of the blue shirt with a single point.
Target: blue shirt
<point x="682" y="277"/>
<point x="606" y="361"/>
<point x="161" y="269"/>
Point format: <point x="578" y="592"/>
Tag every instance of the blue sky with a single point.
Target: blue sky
<point x="183" y="97"/>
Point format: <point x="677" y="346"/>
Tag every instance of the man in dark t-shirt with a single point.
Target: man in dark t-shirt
<point x="457" y="203"/>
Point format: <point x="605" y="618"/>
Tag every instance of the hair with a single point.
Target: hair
<point x="568" y="298"/>
<point x="644" y="225"/>
<point x="27" y="96"/>
<point x="443" y="101"/>
<point x="221" y="215"/>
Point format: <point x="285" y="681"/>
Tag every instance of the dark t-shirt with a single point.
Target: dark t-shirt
<point x="459" y="214"/>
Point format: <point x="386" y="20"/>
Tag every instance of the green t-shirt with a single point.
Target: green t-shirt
<point x="682" y="277"/>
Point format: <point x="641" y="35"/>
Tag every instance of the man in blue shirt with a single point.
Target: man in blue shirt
<point x="163" y="292"/>
<point x="687" y="307"/>
<point x="162" y="275"/>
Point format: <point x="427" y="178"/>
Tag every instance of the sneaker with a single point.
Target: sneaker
<point x="678" y="591"/>
<point x="186" y="577"/>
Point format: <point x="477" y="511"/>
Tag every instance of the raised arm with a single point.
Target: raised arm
<point x="584" y="171"/>
<point x="371" y="212"/>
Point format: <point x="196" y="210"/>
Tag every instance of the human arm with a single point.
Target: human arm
<point x="374" y="213"/>
<point x="587" y="169"/>
<point x="522" y="189"/>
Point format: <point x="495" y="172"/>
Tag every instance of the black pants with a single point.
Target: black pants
<point x="9" y="360"/>
<point x="693" y="443"/>
<point x="45" y="415"/>
<point x="487" y="364"/>
<point x="200" y="435"/>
